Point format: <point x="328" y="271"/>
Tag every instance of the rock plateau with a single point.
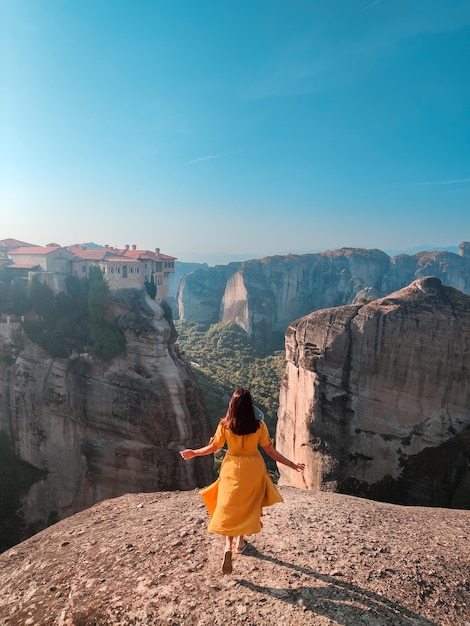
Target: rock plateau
<point x="323" y="559"/>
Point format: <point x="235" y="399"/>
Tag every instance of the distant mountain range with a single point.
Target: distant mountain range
<point x="264" y="296"/>
<point x="89" y="245"/>
<point x="224" y="259"/>
<point x="423" y="248"/>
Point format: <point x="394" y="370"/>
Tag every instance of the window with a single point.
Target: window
<point x="84" y="269"/>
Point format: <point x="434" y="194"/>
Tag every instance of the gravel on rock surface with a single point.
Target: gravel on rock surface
<point x="322" y="558"/>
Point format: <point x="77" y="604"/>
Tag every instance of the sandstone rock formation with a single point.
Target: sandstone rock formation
<point x="74" y="431"/>
<point x="174" y="280"/>
<point x="200" y="293"/>
<point x="322" y="559"/>
<point x="376" y="397"/>
<point x="265" y="296"/>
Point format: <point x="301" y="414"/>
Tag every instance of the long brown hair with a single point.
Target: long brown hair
<point x="240" y="417"/>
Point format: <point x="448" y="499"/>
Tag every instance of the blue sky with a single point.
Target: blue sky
<point x="227" y="129"/>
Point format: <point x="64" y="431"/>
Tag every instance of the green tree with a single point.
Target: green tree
<point x="42" y="298"/>
<point x="98" y="293"/>
<point x="18" y="301"/>
<point x="68" y="320"/>
<point x="106" y="339"/>
<point x="151" y="287"/>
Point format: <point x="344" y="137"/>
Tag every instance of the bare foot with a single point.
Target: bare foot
<point x="241" y="547"/>
<point x="227" y="562"/>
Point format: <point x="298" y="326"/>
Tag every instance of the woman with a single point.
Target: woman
<point x="236" y="499"/>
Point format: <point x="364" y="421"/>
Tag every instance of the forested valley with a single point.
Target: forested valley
<point x="223" y="358"/>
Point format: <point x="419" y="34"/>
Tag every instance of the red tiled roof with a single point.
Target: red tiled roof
<point x="92" y="254"/>
<point x="139" y="254"/>
<point x="165" y="257"/>
<point x="22" y="266"/>
<point x="36" y="250"/>
<point x="11" y="244"/>
<point x="99" y="254"/>
<point x="146" y="255"/>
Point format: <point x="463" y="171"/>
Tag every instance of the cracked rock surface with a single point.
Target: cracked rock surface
<point x="322" y="558"/>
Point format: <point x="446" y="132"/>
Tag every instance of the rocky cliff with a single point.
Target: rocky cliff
<point x="200" y="293"/>
<point x="73" y="431"/>
<point x="376" y="397"/>
<point x="174" y="280"/>
<point x="265" y="296"/>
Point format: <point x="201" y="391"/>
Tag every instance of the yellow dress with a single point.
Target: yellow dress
<point x="236" y="499"/>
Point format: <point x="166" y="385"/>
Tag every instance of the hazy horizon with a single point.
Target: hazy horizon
<point x="217" y="130"/>
<point x="224" y="259"/>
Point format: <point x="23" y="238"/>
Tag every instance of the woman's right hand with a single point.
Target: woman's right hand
<point x="299" y="467"/>
<point x="187" y="454"/>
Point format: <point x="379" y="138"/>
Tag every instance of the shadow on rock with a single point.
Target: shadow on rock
<point x="345" y="603"/>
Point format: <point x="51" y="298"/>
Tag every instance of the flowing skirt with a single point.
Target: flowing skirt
<point x="236" y="499"/>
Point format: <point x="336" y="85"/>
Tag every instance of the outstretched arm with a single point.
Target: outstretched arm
<point x="277" y="456"/>
<point x="190" y="454"/>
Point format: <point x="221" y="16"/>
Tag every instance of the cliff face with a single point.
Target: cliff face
<point x="375" y="397"/>
<point x="265" y="296"/>
<point x="77" y="432"/>
<point x="200" y="293"/>
<point x="278" y="290"/>
<point x="174" y="280"/>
